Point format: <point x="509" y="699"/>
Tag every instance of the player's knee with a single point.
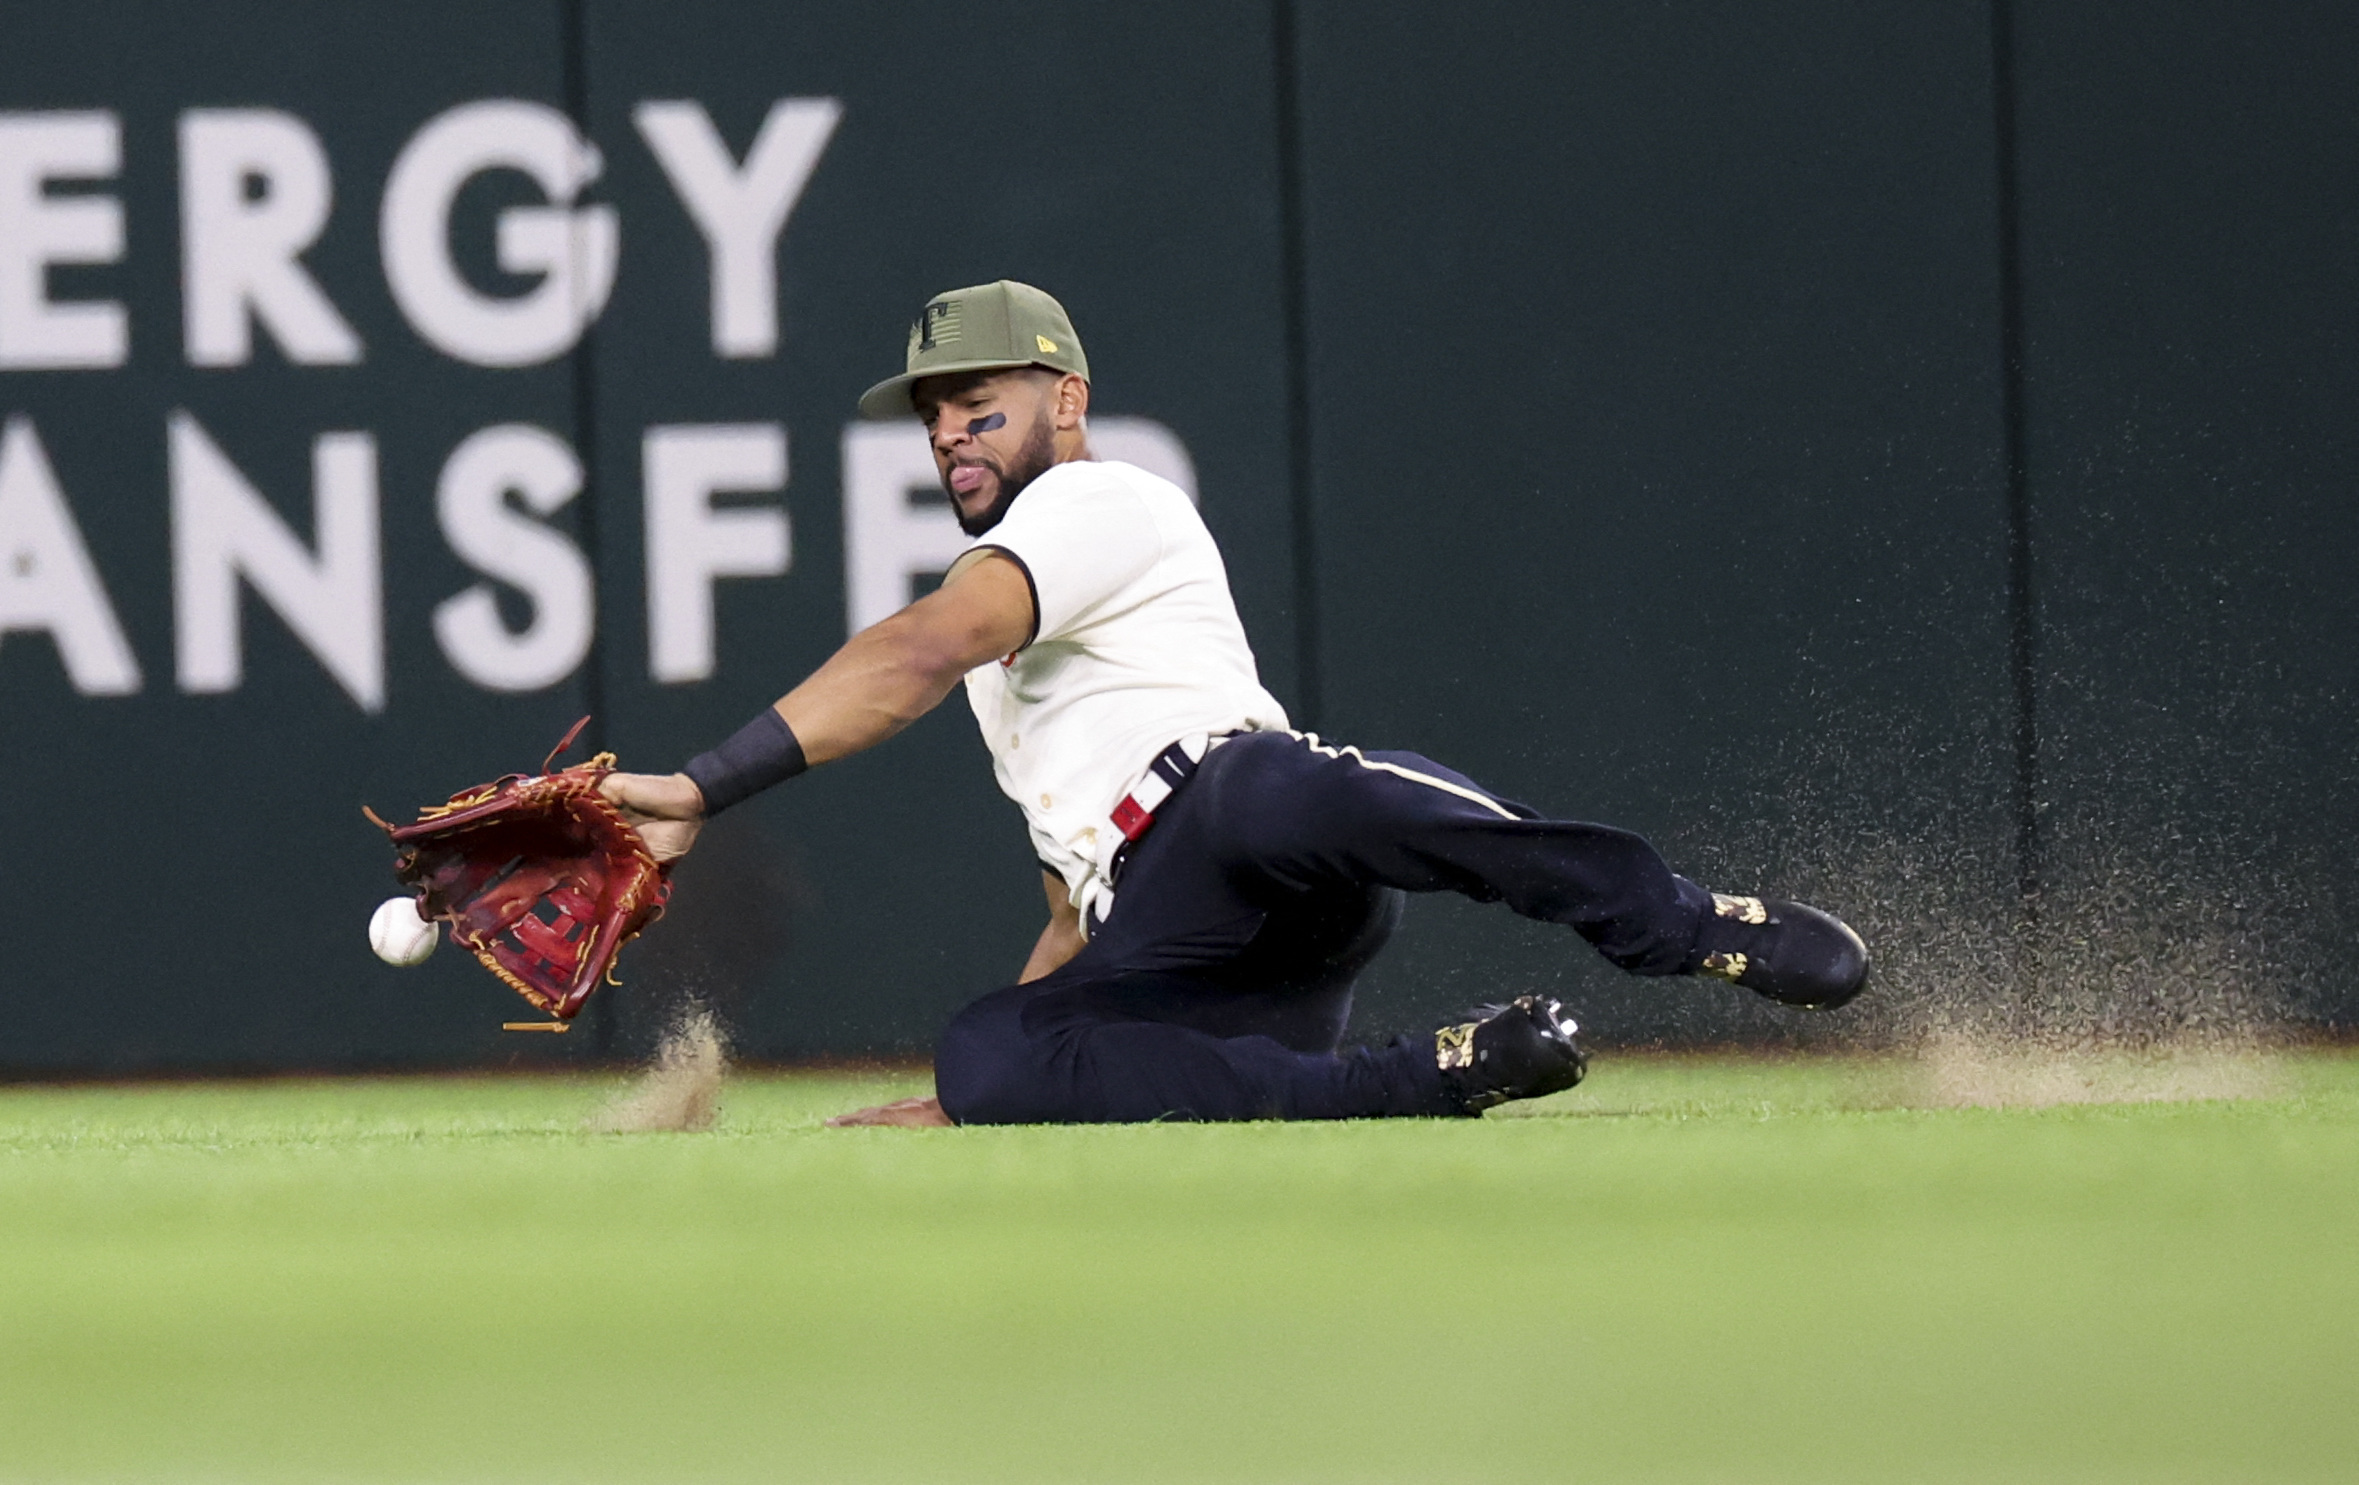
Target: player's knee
<point x="984" y="1065"/>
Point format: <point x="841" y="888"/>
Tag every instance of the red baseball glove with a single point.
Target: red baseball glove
<point x="539" y="876"/>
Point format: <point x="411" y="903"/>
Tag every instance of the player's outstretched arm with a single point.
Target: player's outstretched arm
<point x="895" y="671"/>
<point x="884" y="678"/>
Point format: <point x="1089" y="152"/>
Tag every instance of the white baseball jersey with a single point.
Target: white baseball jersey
<point x="1138" y="647"/>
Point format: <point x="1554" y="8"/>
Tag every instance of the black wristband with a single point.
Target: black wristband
<point x="763" y="752"/>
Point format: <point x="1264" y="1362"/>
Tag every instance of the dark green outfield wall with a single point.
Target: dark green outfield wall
<point x="1684" y="416"/>
<point x="2190" y="210"/>
<point x="183" y="891"/>
<point x="1657" y="450"/>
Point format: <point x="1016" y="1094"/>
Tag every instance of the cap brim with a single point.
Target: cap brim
<point x="889" y="399"/>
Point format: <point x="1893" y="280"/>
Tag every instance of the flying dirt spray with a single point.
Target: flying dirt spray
<point x="682" y="1091"/>
<point x="2157" y="959"/>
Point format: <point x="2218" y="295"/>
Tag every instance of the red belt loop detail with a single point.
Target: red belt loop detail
<point x="1172" y="767"/>
<point x="1131" y="820"/>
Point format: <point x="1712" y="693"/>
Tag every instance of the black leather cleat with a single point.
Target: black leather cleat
<point x="1524" y="1049"/>
<point x="1788" y="952"/>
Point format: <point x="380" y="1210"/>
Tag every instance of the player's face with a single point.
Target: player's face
<point x="993" y="434"/>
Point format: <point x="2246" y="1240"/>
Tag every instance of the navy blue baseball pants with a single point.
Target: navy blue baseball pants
<point x="1219" y="985"/>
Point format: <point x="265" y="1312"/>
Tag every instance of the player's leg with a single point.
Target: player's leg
<point x="1210" y="993"/>
<point x="1290" y="813"/>
<point x="1079" y="1047"/>
<point x="1274" y="962"/>
<point x="1293" y="980"/>
<point x="1280" y="814"/>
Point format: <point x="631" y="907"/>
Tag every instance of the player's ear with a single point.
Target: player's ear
<point x="1069" y="400"/>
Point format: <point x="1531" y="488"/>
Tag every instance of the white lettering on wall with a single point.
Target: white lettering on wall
<point x="740" y="209"/>
<point x="37" y="230"/>
<point x="495" y="539"/>
<point x="47" y="581"/>
<point x="891" y="541"/>
<point x="254" y="194"/>
<point x="689" y="543"/>
<point x="572" y="249"/>
<point x="224" y="531"/>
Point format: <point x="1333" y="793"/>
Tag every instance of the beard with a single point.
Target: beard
<point x="1030" y="463"/>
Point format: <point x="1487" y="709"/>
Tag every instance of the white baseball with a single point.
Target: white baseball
<point x="399" y="935"/>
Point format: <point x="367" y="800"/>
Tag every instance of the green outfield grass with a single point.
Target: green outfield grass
<point x="1710" y="1270"/>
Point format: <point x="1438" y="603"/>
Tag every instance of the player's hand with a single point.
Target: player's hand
<point x="907" y="1113"/>
<point x="666" y="808"/>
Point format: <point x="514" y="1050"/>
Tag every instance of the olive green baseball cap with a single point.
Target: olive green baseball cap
<point x="990" y="327"/>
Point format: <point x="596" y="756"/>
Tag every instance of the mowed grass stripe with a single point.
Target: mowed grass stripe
<point x="1691" y="1269"/>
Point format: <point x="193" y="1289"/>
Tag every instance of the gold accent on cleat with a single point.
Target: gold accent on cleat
<point x="1743" y="909"/>
<point x="1724" y="966"/>
<point x="1453" y="1046"/>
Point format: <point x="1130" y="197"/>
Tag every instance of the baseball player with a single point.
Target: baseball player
<point x="1216" y="880"/>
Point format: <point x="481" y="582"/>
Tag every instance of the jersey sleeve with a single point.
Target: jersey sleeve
<point x="1081" y="540"/>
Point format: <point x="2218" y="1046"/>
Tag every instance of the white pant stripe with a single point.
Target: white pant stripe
<point x="1311" y="741"/>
